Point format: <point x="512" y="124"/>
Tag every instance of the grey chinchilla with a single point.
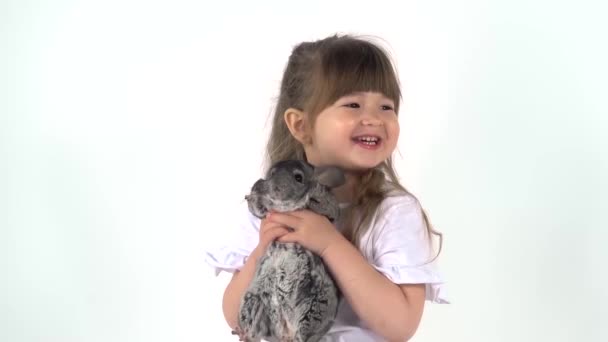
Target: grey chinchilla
<point x="292" y="296"/>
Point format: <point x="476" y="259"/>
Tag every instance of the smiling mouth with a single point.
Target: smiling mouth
<point x="367" y="140"/>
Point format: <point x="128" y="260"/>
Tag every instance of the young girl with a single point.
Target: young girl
<point x="338" y="105"/>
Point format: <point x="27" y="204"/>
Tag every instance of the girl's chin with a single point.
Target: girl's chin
<point x="361" y="167"/>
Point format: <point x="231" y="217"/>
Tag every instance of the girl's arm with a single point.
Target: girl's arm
<point x="269" y="231"/>
<point x="393" y="311"/>
<point x="237" y="287"/>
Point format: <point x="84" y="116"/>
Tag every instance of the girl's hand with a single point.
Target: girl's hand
<point x="311" y="230"/>
<point x="269" y="231"/>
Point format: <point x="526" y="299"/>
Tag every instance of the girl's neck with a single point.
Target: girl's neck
<point x="346" y="192"/>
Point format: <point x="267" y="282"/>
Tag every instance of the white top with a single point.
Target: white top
<point x="396" y="245"/>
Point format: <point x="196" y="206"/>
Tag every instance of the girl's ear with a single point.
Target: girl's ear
<point x="297" y="122"/>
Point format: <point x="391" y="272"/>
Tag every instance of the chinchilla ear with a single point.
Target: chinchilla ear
<point x="329" y="176"/>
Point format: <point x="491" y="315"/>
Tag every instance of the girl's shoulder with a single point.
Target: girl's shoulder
<point x="398" y="218"/>
<point x="398" y="201"/>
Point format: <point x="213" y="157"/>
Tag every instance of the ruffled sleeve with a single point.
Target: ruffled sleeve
<point x="401" y="250"/>
<point x="230" y="253"/>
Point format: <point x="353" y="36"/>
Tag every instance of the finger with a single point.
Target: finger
<point x="289" y="237"/>
<point x="302" y="213"/>
<point x="274" y="233"/>
<point x="277" y="231"/>
<point x="286" y="220"/>
<point x="265" y="223"/>
<point x="268" y="225"/>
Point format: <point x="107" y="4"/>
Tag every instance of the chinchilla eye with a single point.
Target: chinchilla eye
<point x="298" y="178"/>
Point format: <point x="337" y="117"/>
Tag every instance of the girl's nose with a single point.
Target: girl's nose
<point x="371" y="118"/>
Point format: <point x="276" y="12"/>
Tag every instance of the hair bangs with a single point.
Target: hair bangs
<point x="353" y="67"/>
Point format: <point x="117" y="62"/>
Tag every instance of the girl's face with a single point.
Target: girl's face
<point x="358" y="132"/>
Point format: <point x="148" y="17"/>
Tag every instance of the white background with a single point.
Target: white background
<point x="130" y="129"/>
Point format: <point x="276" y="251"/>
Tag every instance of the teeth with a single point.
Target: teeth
<point x="368" y="139"/>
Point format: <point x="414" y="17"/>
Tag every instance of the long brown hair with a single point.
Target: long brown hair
<point x="317" y="74"/>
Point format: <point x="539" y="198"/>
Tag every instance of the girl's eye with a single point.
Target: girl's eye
<point x="387" y="107"/>
<point x="353" y="105"/>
